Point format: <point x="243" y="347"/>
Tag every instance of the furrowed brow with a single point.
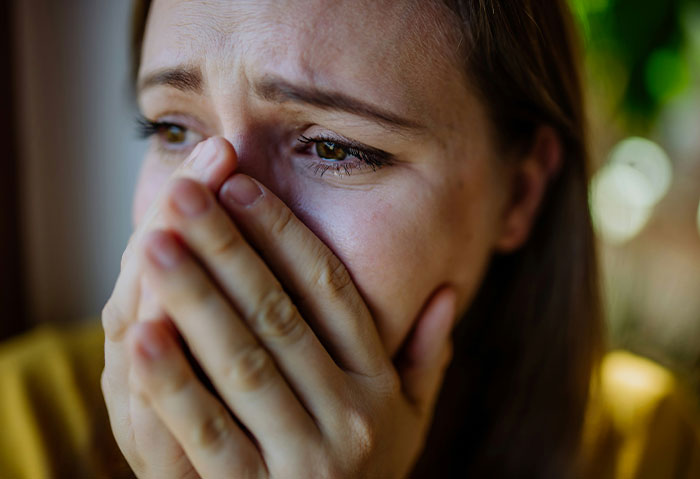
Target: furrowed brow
<point x="278" y="90"/>
<point x="181" y="78"/>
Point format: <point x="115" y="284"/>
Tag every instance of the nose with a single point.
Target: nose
<point x="259" y="154"/>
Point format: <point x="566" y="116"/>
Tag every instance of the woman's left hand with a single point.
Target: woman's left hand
<point x="292" y="407"/>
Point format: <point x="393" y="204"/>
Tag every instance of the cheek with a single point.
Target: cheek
<point x="152" y="177"/>
<point x="400" y="247"/>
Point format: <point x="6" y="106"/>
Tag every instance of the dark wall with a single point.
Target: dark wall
<point x="12" y="312"/>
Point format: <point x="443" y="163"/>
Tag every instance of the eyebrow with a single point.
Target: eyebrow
<point x="181" y="78"/>
<point x="278" y="90"/>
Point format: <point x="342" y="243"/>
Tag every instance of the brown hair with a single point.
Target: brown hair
<point x="515" y="395"/>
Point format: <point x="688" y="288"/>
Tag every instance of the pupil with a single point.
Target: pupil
<point x="174" y="134"/>
<point x="330" y="151"/>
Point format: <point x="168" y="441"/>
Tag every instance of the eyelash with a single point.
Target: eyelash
<point x="147" y="128"/>
<point x="364" y="156"/>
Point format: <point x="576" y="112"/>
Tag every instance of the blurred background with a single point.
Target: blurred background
<point x="643" y="77"/>
<point x="76" y="160"/>
<point x="72" y="158"/>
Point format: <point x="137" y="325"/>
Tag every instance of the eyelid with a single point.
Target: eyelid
<point x="359" y="157"/>
<point x="186" y="120"/>
<point x="369" y="155"/>
<point x="330" y="136"/>
<point x="155" y="130"/>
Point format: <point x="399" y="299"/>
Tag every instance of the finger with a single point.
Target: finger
<point x="255" y="293"/>
<point x="213" y="442"/>
<point x="210" y="163"/>
<point x="242" y="371"/>
<point x="122" y="305"/>
<point x="312" y="273"/>
<point x="426" y="354"/>
<point x="148" y="428"/>
<point x="149" y="306"/>
<point x="116" y="316"/>
<point x="155" y="452"/>
<point x="135" y="425"/>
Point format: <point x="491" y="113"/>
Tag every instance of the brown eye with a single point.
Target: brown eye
<point x="174" y="134"/>
<point x="330" y="151"/>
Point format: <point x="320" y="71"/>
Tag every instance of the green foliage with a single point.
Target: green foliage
<point x="639" y="52"/>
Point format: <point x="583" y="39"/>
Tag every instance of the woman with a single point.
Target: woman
<point x="374" y="171"/>
<point x="340" y="200"/>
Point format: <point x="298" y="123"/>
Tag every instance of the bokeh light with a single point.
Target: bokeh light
<point x="650" y="159"/>
<point x="643" y="80"/>
<point x="625" y="191"/>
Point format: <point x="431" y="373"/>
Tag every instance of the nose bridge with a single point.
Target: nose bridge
<point x="240" y="128"/>
<point x="228" y="93"/>
<point x="246" y="124"/>
<point x="233" y="110"/>
<point x="251" y="136"/>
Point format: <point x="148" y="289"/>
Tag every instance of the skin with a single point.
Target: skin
<point x="377" y="264"/>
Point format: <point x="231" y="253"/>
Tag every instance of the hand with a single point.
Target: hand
<point x="296" y="408"/>
<point x="134" y="424"/>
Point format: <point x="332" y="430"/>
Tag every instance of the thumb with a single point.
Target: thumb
<point x="427" y="352"/>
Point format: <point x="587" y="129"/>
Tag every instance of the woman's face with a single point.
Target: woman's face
<point x="406" y="189"/>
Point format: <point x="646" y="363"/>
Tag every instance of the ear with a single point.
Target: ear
<point x="532" y="175"/>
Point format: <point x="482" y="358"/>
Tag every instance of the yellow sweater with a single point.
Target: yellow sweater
<point x="53" y="422"/>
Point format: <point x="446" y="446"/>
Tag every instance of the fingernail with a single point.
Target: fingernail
<point x="152" y="342"/>
<point x="447" y="306"/>
<point x="189" y="199"/>
<point x="203" y="155"/>
<point x="243" y="190"/>
<point x="197" y="150"/>
<point x="163" y="250"/>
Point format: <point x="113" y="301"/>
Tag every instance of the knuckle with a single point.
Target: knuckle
<point x="197" y="294"/>
<point x="277" y="317"/>
<point x="108" y="393"/>
<point x="136" y="386"/>
<point x="223" y="245"/>
<point x="282" y="222"/>
<point x="104" y="384"/>
<point x="332" y="276"/>
<point x="114" y="320"/>
<point x="177" y="383"/>
<point x="125" y="258"/>
<point x="211" y="432"/>
<point x="363" y="430"/>
<point x="128" y="251"/>
<point x="152" y="386"/>
<point x="389" y="383"/>
<point x="250" y="369"/>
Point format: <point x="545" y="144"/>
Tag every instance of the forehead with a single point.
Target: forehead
<point x="395" y="52"/>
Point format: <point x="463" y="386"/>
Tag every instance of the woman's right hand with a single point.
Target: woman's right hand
<point x="134" y="424"/>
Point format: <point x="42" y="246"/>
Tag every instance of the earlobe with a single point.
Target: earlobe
<point x="533" y="174"/>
